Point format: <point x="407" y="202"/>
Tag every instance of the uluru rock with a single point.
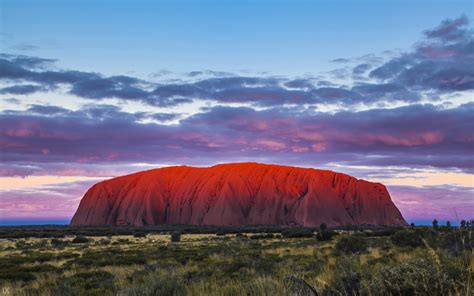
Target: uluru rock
<point x="237" y="194"/>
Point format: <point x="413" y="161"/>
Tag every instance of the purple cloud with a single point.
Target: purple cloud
<point x="450" y="30"/>
<point x="417" y="135"/>
<point x="58" y="201"/>
<point x="443" y="62"/>
<point x="443" y="203"/>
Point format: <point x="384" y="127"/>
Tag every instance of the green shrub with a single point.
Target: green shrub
<point x="406" y="238"/>
<point x="382" y="232"/>
<point x="262" y="236"/>
<point x="266" y="264"/>
<point x="175" y="236"/>
<point x="456" y="241"/>
<point x="57" y="242"/>
<point x="233" y="268"/>
<point x="111" y="257"/>
<point x="87" y="283"/>
<point x="22" y="245"/>
<point x="80" y="239"/>
<point x="297" y="286"/>
<point x="325" y="235"/>
<point x="16" y="275"/>
<point x="104" y="242"/>
<point x="351" y="244"/>
<point x="241" y="235"/>
<point x="159" y="284"/>
<point x="419" y="276"/>
<point x="13" y="272"/>
<point x="298" y="232"/>
<point x="347" y="279"/>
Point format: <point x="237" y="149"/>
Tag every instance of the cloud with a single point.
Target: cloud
<point x="209" y="73"/>
<point x="386" y="92"/>
<point x="450" y="30"/>
<point x="285" y="129"/>
<point x="28" y="62"/>
<point x="300" y="83"/>
<point x="47" y="110"/>
<point x="413" y="136"/>
<point x="442" y="62"/>
<point x="25" y="46"/>
<point x="54" y="201"/>
<point x="12" y="101"/>
<point x="361" y="69"/>
<point x="21" y="89"/>
<point x="434" y="202"/>
<point x="340" y="60"/>
<point x="165" y="116"/>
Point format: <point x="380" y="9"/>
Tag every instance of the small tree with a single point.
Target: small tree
<point x="463" y="223"/>
<point x="435" y="223"/>
<point x="412" y="224"/>
<point x="325" y="235"/>
<point x="470" y="224"/>
<point x="175" y="236"/>
<point x="448" y="224"/>
<point x="323" y="226"/>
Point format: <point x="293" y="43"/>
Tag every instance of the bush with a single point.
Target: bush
<point x="299" y="286"/>
<point x="351" y="244"/>
<point x="419" y="276"/>
<point x="139" y="234"/>
<point x="110" y="256"/>
<point x="159" y="284"/>
<point x="12" y="269"/>
<point x="262" y="236"/>
<point x="240" y="235"/>
<point x="87" y="283"/>
<point x="406" y="238"/>
<point x="346" y="280"/>
<point x="80" y="239"/>
<point x="16" y="275"/>
<point x="456" y="241"/>
<point x="175" y="236"/>
<point x="325" y="235"/>
<point x="381" y="232"/>
<point x="298" y="232"/>
<point x="104" y="242"/>
<point x="57" y="242"/>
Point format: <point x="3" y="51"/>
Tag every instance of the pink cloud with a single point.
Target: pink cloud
<point x="430" y="202"/>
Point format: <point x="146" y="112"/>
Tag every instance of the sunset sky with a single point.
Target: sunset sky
<point x="381" y="90"/>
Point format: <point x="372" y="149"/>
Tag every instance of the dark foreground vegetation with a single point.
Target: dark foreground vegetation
<point x="245" y="260"/>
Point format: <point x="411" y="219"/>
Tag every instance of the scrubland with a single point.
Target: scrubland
<point x="236" y="261"/>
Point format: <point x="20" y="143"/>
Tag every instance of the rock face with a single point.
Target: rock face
<point x="237" y="194"/>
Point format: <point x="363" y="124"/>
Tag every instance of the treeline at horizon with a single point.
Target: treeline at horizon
<point x="59" y="231"/>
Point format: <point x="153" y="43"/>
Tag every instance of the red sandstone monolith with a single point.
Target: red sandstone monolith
<point x="237" y="194"/>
